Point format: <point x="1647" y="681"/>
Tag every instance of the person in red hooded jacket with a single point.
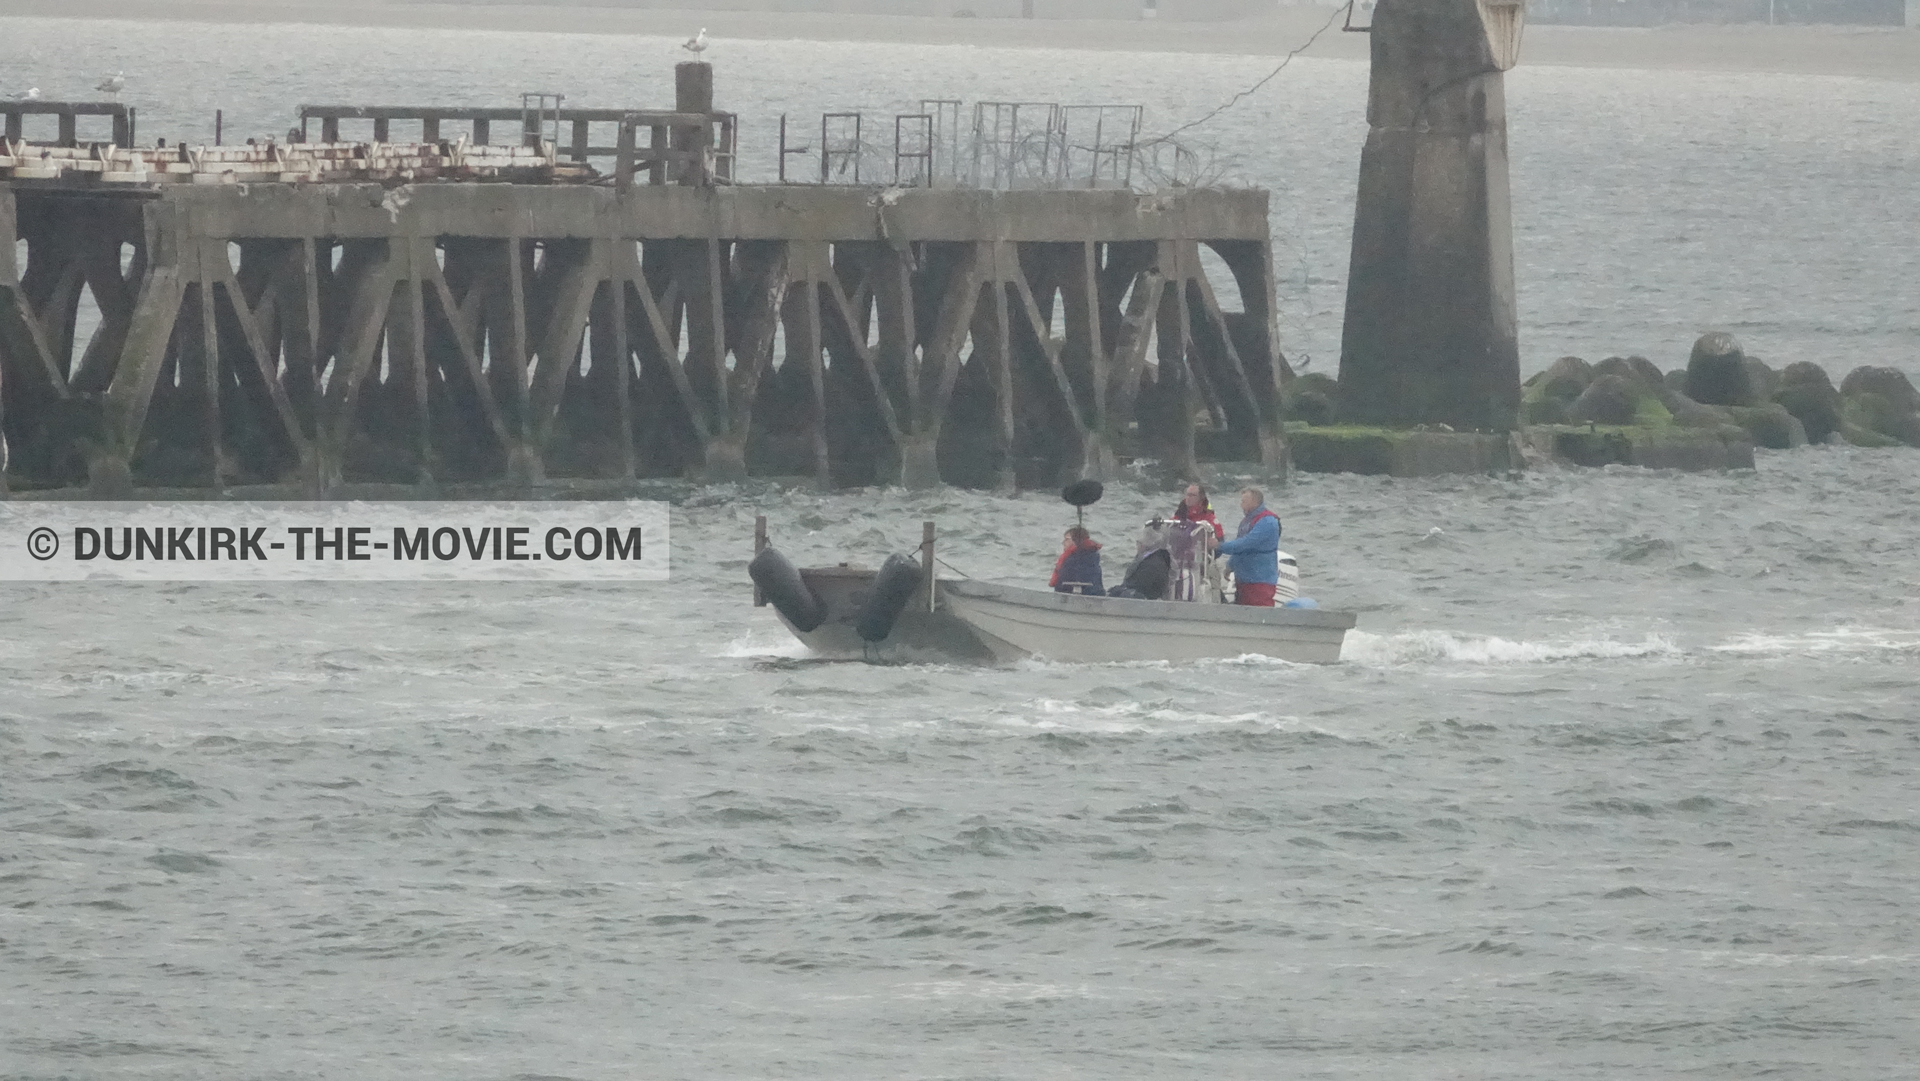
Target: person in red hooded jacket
<point x="1195" y="507"/>
<point x="1078" y="569"/>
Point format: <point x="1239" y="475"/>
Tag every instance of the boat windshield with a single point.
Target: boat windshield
<point x="1193" y="573"/>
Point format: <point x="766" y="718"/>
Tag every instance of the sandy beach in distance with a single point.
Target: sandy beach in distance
<point x="1872" y="52"/>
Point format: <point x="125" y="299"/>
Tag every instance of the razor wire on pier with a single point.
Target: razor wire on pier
<point x="998" y="145"/>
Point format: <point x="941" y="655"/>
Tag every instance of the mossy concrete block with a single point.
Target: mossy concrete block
<point x="1653" y="447"/>
<point x="1396" y="452"/>
<point x="1312" y="398"/>
<point x="1769" y="425"/>
<point x="1762" y="378"/>
<point x="1636" y="369"/>
<point x="1865" y="437"/>
<point x="1694" y="450"/>
<point x="1882" y="415"/>
<point x="1313" y="381"/>
<point x="1543" y="409"/>
<point x="1807" y="393"/>
<point x="1889" y="383"/>
<point x="1343" y="450"/>
<point x="1609" y="399"/>
<point x="1582" y="445"/>
<point x="1805" y="372"/>
<point x="1564" y="378"/>
<point x="1545" y="398"/>
<point x="1717" y="372"/>
<point x="1688" y="413"/>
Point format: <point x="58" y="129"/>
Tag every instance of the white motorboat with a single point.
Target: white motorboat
<point x="893" y="614"/>
<point x="1015" y="622"/>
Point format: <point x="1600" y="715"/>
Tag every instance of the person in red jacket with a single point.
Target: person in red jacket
<point x="1195" y="507"/>
<point x="1078" y="568"/>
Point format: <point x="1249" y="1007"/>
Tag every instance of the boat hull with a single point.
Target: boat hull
<point x="984" y="623"/>
<point x="1016" y="622"/>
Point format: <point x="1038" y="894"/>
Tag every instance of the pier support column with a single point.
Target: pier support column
<point x="1254" y="333"/>
<point x="725" y="461"/>
<point x="144" y="352"/>
<point x="1430" y="334"/>
<point x="131" y="393"/>
<point x="524" y="468"/>
<point x="919" y="464"/>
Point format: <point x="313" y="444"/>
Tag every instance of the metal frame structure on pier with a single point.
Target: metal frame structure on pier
<point x="13" y="115"/>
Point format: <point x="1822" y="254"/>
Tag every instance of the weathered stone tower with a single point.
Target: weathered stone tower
<point x="1430" y="334"/>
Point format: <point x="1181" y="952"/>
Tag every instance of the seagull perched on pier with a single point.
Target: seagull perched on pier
<point x="33" y="93"/>
<point x="113" y="84"/>
<point x="697" y="43"/>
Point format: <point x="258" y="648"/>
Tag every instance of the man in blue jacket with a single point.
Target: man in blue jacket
<point x="1253" y="551"/>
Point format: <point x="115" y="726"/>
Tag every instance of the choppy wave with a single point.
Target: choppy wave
<point x="1134" y="715"/>
<point x="1442" y="647"/>
<point x="1448" y="647"/>
<point x="1840" y="642"/>
<point x="754" y="644"/>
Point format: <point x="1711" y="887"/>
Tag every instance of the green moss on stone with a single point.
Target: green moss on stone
<point x="1865" y="437"/>
<point x="1868" y="411"/>
<point x="1769" y="425"/>
<point x="1348" y="431"/>
<point x="1659" y="446"/>
<point x="1649" y="413"/>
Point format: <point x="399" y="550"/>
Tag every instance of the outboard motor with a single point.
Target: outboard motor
<point x="1288" y="586"/>
<point x="893" y="587"/>
<point x="780" y="582"/>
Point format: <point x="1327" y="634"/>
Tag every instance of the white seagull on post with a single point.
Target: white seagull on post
<point x="113" y="85"/>
<point x="697" y="43"/>
<point x="33" y="93"/>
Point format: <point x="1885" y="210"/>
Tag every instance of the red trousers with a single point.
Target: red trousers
<point x="1258" y="594"/>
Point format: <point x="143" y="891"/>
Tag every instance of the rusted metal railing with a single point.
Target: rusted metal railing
<point x="715" y="142"/>
<point x="68" y="113"/>
<point x="840" y="143"/>
<point x="913" y="150"/>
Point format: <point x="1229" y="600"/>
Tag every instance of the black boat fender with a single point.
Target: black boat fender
<point x="899" y="579"/>
<point x="780" y="582"/>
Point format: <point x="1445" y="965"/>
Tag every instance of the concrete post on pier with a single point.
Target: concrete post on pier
<point x="692" y="93"/>
<point x="1430" y="334"/>
<point x="700" y="269"/>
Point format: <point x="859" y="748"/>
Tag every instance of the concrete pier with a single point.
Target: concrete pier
<point x="1430" y="334"/>
<point x="444" y="316"/>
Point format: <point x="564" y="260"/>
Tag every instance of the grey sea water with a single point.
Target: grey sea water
<point x="1616" y="779"/>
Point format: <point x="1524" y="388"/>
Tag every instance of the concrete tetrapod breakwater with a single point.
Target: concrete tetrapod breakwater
<point x="1708" y="414"/>
<point x="1722" y="389"/>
